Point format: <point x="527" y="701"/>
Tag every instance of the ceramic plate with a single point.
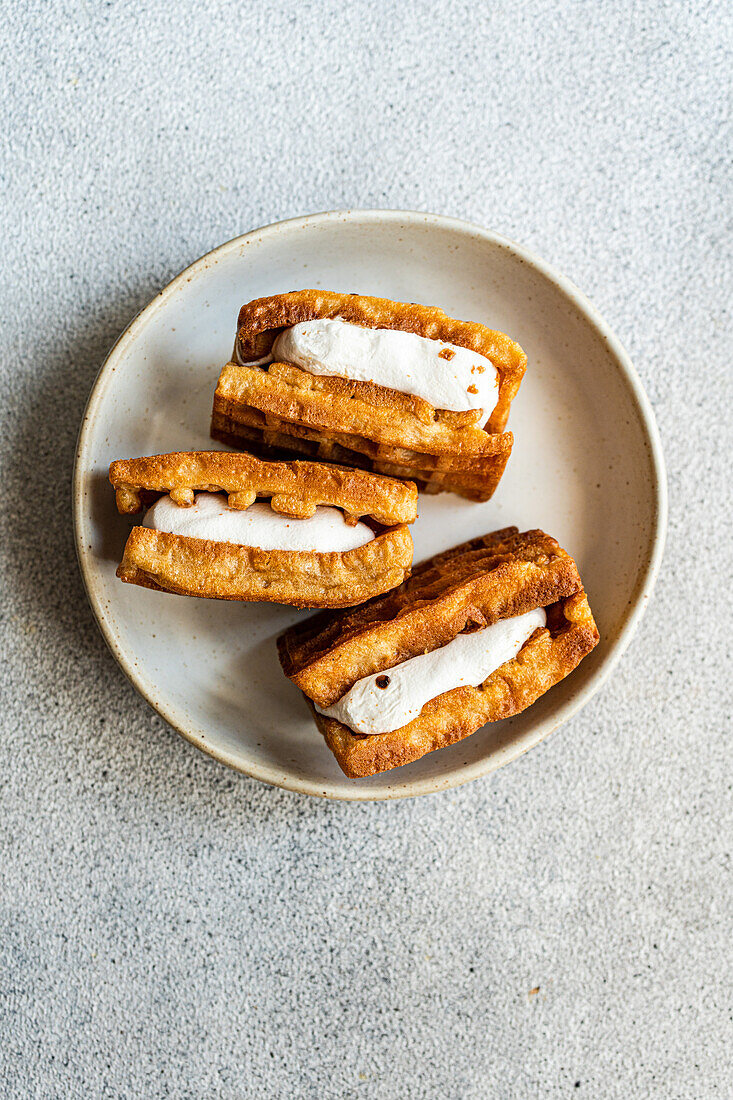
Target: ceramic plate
<point x="587" y="467"/>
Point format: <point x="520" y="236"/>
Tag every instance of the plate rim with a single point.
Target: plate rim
<point x="646" y="578"/>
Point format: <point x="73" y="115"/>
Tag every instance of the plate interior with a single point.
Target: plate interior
<point x="583" y="469"/>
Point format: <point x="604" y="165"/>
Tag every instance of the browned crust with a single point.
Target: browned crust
<point x="477" y="484"/>
<point x="262" y="319"/>
<point x="473" y="585"/>
<point x="255" y="424"/>
<point x="295" y="488"/>
<point x="338" y="405"/>
<point x="225" y="571"/>
<point x="548" y="657"/>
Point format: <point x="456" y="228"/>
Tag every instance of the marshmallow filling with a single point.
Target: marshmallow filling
<point x="448" y="376"/>
<point x="390" y="699"/>
<point x="210" y="517"/>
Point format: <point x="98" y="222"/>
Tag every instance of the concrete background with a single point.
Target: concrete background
<point x="168" y="928"/>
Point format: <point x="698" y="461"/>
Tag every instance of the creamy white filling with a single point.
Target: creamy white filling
<point x="368" y="707"/>
<point x="448" y="376"/>
<point x="210" y="517"/>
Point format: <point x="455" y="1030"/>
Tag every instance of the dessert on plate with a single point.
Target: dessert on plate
<point x="392" y="387"/>
<point x="232" y="527"/>
<point x="475" y="635"/>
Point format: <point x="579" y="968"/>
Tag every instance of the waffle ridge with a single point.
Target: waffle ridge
<point x="302" y="486"/>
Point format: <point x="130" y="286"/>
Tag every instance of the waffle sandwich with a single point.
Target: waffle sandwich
<point x="475" y="635"/>
<point x="391" y="387"/>
<point x="232" y="527"/>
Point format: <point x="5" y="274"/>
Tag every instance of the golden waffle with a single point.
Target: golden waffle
<point x="222" y="570"/>
<point x="262" y="320"/>
<point x="475" y="477"/>
<point x="498" y="576"/>
<point x="294" y="488"/>
<point x="279" y="408"/>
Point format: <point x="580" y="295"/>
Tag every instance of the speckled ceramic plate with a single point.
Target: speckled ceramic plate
<point x="587" y="467"/>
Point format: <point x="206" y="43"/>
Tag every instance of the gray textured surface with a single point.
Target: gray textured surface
<point x="168" y="928"/>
